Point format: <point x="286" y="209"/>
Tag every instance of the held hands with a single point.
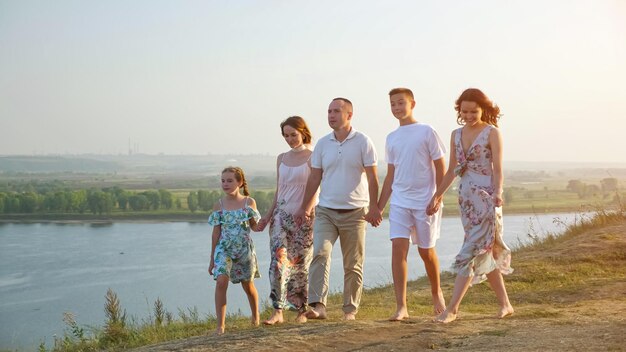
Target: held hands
<point x="300" y="216"/>
<point x="497" y="200"/>
<point x="434" y="205"/>
<point x="374" y="216"/>
<point x="260" y="226"/>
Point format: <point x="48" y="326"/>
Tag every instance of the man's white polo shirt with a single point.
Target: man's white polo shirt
<point x="344" y="183"/>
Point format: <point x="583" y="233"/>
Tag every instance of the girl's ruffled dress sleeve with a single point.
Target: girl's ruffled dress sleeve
<point x="215" y="218"/>
<point x="253" y="214"/>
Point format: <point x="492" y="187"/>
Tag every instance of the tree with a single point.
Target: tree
<point x="192" y="201"/>
<point x="204" y="200"/>
<point x="167" y="199"/>
<point x="154" y="199"/>
<point x="609" y="185"/>
<point x="138" y="202"/>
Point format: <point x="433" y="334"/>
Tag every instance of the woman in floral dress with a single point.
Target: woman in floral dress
<point x="476" y="158"/>
<point x="291" y="246"/>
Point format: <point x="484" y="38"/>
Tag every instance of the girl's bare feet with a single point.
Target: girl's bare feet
<point x="445" y="317"/>
<point x="401" y="314"/>
<point x="254" y="321"/>
<point x="505" y="311"/>
<point x="276" y="318"/>
<point x="219" y="330"/>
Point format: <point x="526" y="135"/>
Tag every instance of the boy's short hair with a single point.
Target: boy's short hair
<point x="405" y="91"/>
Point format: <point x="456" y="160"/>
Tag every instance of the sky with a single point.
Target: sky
<point x="218" y="77"/>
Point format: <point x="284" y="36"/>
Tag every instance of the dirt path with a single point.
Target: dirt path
<point x="589" y="319"/>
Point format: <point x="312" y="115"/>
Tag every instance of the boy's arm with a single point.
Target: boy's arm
<point x="440" y="170"/>
<point x="385" y="193"/>
<point x="444" y="183"/>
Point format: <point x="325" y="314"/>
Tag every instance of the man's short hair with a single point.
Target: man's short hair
<point x="348" y="102"/>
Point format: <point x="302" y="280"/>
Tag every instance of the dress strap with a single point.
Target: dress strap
<point x="245" y="203"/>
<point x="221" y="205"/>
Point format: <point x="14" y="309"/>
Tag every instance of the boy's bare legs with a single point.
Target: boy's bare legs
<point x="461" y="284"/>
<point x="253" y="299"/>
<point x="399" y="252"/>
<point x="276" y="318"/>
<point x="431" y="263"/>
<point x="221" y="285"/>
<point x="497" y="285"/>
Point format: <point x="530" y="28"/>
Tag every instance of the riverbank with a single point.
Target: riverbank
<point x="569" y="293"/>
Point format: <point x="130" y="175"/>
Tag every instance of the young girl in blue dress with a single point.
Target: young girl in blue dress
<point x="233" y="257"/>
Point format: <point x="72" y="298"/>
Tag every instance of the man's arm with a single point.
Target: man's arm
<point x="312" y="184"/>
<point x="373" y="215"/>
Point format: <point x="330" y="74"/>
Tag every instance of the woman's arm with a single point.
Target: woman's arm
<point x="495" y="141"/>
<point x="268" y="216"/>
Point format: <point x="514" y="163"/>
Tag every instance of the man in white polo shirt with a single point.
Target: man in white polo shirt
<point x="344" y="165"/>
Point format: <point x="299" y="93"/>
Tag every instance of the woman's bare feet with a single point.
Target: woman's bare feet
<point x="301" y="318"/>
<point x="505" y="311"/>
<point x="219" y="330"/>
<point x="445" y="317"/>
<point x="439" y="303"/>
<point x="317" y="312"/>
<point x="276" y="318"/>
<point x="401" y="314"/>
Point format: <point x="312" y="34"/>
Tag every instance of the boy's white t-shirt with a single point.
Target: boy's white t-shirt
<point x="411" y="149"/>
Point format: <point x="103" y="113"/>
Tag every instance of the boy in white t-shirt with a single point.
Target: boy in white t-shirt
<point x="415" y="166"/>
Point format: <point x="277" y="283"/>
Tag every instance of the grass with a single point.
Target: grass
<point x="547" y="274"/>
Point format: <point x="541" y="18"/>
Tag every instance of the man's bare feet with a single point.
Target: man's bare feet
<point x="401" y="314"/>
<point x="317" y="312"/>
<point x="276" y="318"/>
<point x="445" y="317"/>
<point x="219" y="330"/>
<point x="439" y="303"/>
<point x="505" y="311"/>
<point x="301" y="318"/>
<point x="349" y="316"/>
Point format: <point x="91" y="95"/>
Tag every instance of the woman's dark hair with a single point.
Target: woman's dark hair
<point x="491" y="111"/>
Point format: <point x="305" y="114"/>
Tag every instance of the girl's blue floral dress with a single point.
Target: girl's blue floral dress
<point x="483" y="248"/>
<point x="234" y="255"/>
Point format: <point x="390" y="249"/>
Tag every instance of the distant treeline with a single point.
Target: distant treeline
<point x="110" y="199"/>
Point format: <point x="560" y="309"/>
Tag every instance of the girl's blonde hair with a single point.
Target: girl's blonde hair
<point x="239" y="176"/>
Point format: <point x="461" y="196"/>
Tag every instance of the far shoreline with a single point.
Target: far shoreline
<point x="202" y="217"/>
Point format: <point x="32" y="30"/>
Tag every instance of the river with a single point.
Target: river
<point x="47" y="269"/>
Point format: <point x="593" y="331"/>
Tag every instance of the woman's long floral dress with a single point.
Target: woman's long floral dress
<point x="483" y="248"/>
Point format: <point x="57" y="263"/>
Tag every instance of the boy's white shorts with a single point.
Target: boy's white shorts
<point x="422" y="229"/>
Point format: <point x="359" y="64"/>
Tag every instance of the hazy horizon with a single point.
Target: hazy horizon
<point x="196" y="77"/>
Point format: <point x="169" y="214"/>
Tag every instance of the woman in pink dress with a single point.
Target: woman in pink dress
<point x="476" y="157"/>
<point x="291" y="246"/>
